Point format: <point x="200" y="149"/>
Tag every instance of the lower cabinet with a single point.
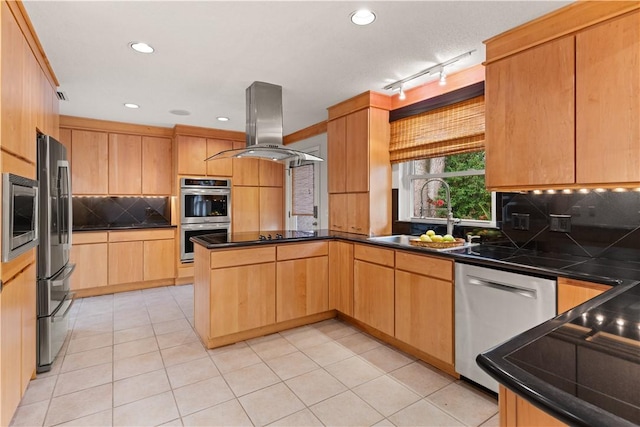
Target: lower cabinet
<point x="125" y="262"/>
<point x="572" y="292"/>
<point x="341" y="277"/>
<point x="516" y="411"/>
<point x="89" y="253"/>
<point x="302" y="280"/>
<point x="373" y="287"/>
<point x="424" y="313"/>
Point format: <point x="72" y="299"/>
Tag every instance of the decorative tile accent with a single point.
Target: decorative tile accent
<point x="105" y="212"/>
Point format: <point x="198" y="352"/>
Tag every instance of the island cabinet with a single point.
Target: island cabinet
<point x="516" y="411"/>
<point x="341" y="277"/>
<point x="373" y="287"/>
<point x="359" y="170"/>
<point x="572" y="293"/>
<point x="302" y="280"/>
<point x="552" y="119"/>
<point x="424" y="314"/>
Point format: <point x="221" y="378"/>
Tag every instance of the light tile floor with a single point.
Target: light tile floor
<point x="134" y="359"/>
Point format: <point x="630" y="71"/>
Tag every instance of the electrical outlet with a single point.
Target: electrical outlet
<point x="520" y="221"/>
<point x="560" y="223"/>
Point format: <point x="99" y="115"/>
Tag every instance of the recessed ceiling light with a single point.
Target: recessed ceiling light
<point x="180" y="112"/>
<point x="223" y="119"/>
<point x="363" y="17"/>
<point x="131" y="105"/>
<point x="141" y="47"/>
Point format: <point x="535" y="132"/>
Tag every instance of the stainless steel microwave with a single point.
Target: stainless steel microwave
<point x="19" y="215"/>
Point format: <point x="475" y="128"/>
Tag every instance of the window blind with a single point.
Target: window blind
<point x="302" y="188"/>
<point x="453" y="129"/>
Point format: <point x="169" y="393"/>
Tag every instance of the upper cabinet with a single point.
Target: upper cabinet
<point x="89" y="160"/>
<point x="194" y="145"/>
<point x="359" y="170"/>
<point x="563" y="108"/>
<point x="125" y="164"/>
<point x="157" y="170"/>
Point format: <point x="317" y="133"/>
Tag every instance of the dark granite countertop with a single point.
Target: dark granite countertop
<point x="80" y="229"/>
<point x="583" y="367"/>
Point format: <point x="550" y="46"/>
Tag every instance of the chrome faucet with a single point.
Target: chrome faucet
<point x="450" y="219"/>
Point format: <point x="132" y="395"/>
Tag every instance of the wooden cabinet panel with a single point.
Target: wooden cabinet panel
<point x="607" y="101"/>
<point x="191" y="152"/>
<point x="530" y="105"/>
<point x="271" y="174"/>
<point x="357" y="152"/>
<point x="373" y="295"/>
<point x="125" y="164"/>
<point x="358" y="213"/>
<point x="91" y="262"/>
<point x="302" y="250"/>
<point x="338" y="212"/>
<point x="271" y="208"/>
<point x="337" y="155"/>
<point x="157" y="169"/>
<point x="341" y="277"/>
<point x="219" y="167"/>
<point x="242" y="298"/>
<point x="375" y="255"/>
<point x="125" y="262"/>
<point x="245" y="209"/>
<point x="134" y="235"/>
<point x="302" y="287"/>
<point x="64" y="136"/>
<point x="158" y="259"/>
<point x="28" y="286"/>
<point x="425" y="265"/>
<point x="516" y="411"/>
<point x="89" y="156"/>
<point x="238" y="257"/>
<point x="424" y="313"/>
<point x="572" y="293"/>
<point x="10" y="343"/>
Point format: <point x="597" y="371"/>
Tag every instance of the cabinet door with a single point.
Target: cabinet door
<point x="607" y="101"/>
<point x="10" y="344"/>
<point x="125" y="164"/>
<point x="572" y="293"/>
<point x="90" y="159"/>
<point x="338" y="212"/>
<point x="373" y="295"/>
<point x="357" y="152"/>
<point x="337" y="155"/>
<point x="271" y="208"/>
<point x="192" y="151"/>
<point x="125" y="262"/>
<point x="424" y="314"/>
<point x="219" y="167"/>
<point x="246" y="171"/>
<point x="302" y="287"/>
<point x="159" y="256"/>
<point x="157" y="170"/>
<point x="27" y="281"/>
<point x="245" y="209"/>
<point x="91" y="262"/>
<point x="271" y="174"/>
<point x="341" y="277"/>
<point x="242" y="298"/>
<point x="530" y="111"/>
<point x="358" y="213"/>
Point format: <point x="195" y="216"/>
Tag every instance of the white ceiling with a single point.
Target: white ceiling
<point x="209" y="52"/>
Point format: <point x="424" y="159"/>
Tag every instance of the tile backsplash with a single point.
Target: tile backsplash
<point x="103" y="212"/>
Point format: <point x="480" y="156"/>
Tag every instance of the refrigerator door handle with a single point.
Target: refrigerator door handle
<point x="64" y="275"/>
<point x="55" y="312"/>
<point x="64" y="197"/>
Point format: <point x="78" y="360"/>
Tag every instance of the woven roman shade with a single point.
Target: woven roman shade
<point x="453" y="129"/>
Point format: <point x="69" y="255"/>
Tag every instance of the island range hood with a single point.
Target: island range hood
<point x="264" y="129"/>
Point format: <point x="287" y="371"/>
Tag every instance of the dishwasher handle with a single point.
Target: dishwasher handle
<point x="528" y="293"/>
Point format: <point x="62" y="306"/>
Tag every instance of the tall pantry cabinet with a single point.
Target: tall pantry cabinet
<point x="359" y="171"/>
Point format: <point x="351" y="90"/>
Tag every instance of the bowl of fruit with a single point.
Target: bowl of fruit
<point x="432" y="240"/>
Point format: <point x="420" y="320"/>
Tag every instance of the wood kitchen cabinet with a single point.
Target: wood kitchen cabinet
<point x="341" y="277"/>
<point x="90" y="255"/>
<point x="157" y="256"/>
<point x="245" y="209"/>
<point x="373" y="287"/>
<point x="518" y="412"/>
<point x="157" y="170"/>
<point x="572" y="293"/>
<point x="271" y="174"/>
<point x="424" y="314"/>
<point x="89" y="156"/>
<point x="192" y="152"/>
<point x="271" y="208"/>
<point x="125" y="262"/>
<point x="359" y="170"/>
<point x="562" y="109"/>
<point x="125" y="164"/>
<point x="302" y="280"/>
<point x="219" y="167"/>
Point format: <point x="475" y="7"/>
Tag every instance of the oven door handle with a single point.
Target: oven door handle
<point x="200" y="191"/>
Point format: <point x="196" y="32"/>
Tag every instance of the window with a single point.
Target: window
<point x="423" y="197"/>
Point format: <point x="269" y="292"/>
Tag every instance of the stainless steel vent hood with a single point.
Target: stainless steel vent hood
<point x="264" y="129"/>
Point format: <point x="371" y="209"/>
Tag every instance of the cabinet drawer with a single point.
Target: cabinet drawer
<point x="89" y="237"/>
<point x="302" y="250"/>
<point x="135" y="235"/>
<point x="375" y="255"/>
<point x="236" y="257"/>
<point x="425" y="265"/>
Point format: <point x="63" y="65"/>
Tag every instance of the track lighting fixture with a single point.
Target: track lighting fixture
<point x="438" y="68"/>
<point x="402" y="95"/>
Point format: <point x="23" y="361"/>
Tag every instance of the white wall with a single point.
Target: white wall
<point x="305" y="145"/>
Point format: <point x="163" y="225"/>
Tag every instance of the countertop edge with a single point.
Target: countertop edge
<point x="124" y="228"/>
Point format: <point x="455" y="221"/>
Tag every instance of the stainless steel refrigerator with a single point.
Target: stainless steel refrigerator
<point x="54" y="299"/>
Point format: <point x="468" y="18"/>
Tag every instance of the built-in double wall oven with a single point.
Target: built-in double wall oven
<point x="205" y="208"/>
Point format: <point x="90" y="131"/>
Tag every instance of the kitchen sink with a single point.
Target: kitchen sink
<point x="403" y="240"/>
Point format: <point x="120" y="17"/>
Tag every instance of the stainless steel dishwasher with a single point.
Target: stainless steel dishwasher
<point x="492" y="306"/>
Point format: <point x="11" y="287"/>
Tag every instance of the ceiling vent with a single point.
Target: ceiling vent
<point x="62" y="96"/>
